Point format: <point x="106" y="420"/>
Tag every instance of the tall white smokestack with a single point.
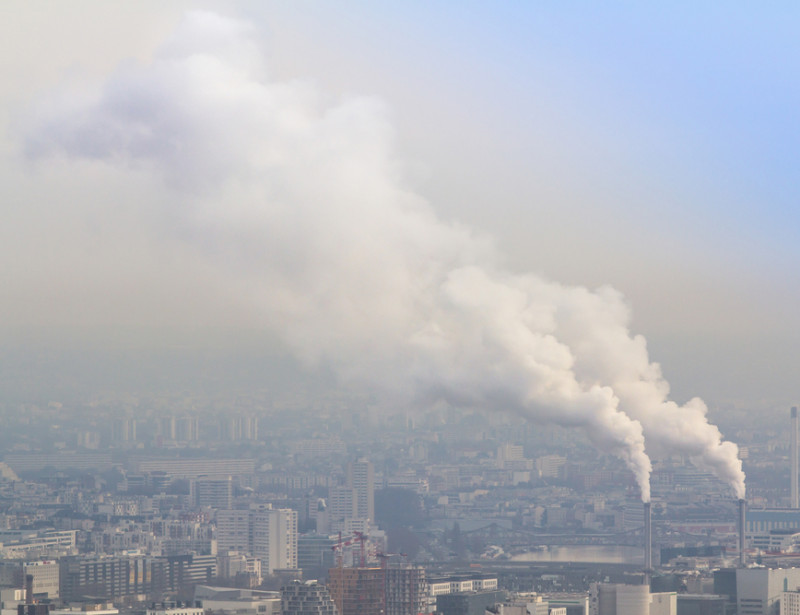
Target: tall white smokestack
<point x="648" y="539"/>
<point x="741" y="532"/>
<point x="794" y="461"/>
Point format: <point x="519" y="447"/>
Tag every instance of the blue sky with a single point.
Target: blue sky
<point x="673" y="127"/>
<point x="693" y="96"/>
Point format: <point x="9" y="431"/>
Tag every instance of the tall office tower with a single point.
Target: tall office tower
<point x="233" y="531"/>
<point x="309" y="598"/>
<point x="357" y="591"/>
<point x="215" y="493"/>
<point x="360" y="476"/>
<point x="274" y="538"/>
<point x="188" y="429"/>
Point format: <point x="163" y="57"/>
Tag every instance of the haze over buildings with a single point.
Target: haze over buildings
<point x="415" y="307"/>
<point x="362" y="310"/>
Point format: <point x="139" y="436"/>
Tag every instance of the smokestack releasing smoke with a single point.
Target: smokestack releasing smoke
<point x="742" y="506"/>
<point x="300" y="203"/>
<point x="648" y="539"/>
<point x="793" y="474"/>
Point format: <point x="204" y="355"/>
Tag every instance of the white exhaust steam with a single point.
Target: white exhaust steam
<point x="300" y="200"/>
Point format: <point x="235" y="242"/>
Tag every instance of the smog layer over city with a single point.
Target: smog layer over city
<point x="318" y="308"/>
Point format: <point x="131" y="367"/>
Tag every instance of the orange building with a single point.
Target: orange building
<point x="358" y="591"/>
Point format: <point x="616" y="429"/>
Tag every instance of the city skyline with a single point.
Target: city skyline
<point x="323" y="308"/>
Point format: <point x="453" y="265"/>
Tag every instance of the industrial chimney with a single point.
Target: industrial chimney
<point x="793" y="489"/>
<point x="648" y="539"/>
<point x="741" y="532"/>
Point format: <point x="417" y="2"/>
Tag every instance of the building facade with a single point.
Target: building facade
<point x="309" y="598"/>
<point x="357" y="591"/>
<point x="274" y="538"/>
<point x="406" y="590"/>
<point x="361" y="477"/>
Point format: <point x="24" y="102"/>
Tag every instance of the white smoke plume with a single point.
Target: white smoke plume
<point x="300" y="200"/>
<point x="605" y="350"/>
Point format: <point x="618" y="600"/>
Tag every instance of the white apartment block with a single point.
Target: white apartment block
<point x="233" y="531"/>
<point x="361" y="477"/>
<point x="342" y="503"/>
<point x="274" y="533"/>
<point x="266" y="533"/>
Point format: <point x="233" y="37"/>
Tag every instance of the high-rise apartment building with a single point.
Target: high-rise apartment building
<point x="214" y="492"/>
<point x="123" y="430"/>
<point x="342" y="503"/>
<point x="274" y="538"/>
<point x="235" y="428"/>
<point x="233" y="531"/>
<point x="361" y="477"/>
<point x="269" y="534"/>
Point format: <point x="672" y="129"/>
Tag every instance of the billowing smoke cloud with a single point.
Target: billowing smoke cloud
<point x="595" y="328"/>
<point x="300" y="200"/>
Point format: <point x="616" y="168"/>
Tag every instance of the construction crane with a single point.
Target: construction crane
<point x="342" y="545"/>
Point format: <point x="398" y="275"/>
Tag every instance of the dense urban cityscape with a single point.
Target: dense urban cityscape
<point x="326" y="505"/>
<point x="332" y="307"/>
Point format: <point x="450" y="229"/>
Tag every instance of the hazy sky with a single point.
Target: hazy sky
<point x="649" y="147"/>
